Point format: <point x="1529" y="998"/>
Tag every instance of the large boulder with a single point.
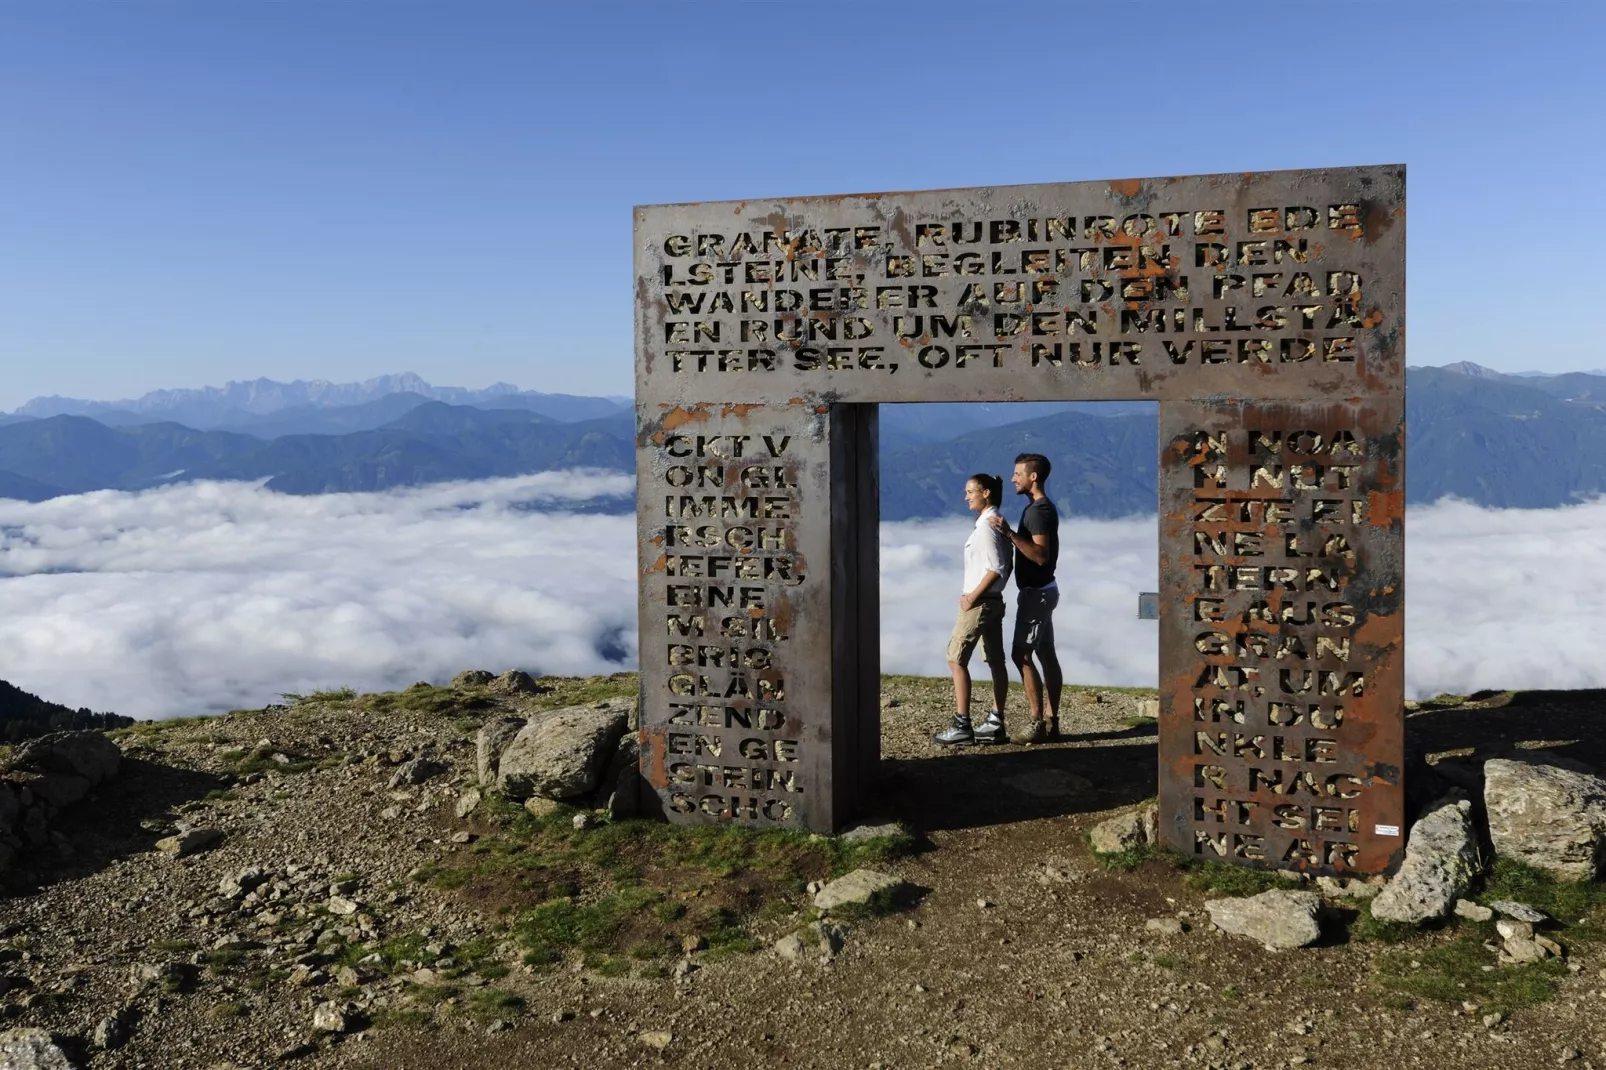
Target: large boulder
<point x="514" y="682"/>
<point x="493" y="738"/>
<point x="562" y="754"/>
<point x="85" y="754"/>
<point x="1441" y="862"/>
<point x="473" y="678"/>
<point x="1550" y="818"/>
<point x="1280" y="920"/>
<point x="31" y="1049"/>
<point x="57" y="789"/>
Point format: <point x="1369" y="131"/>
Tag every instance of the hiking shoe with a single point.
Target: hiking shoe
<point x="956" y="733"/>
<point x="1033" y="732"/>
<point x="1052" y="727"/>
<point x="991" y="730"/>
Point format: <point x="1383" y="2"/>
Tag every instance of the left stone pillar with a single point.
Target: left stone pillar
<point x="757" y="529"/>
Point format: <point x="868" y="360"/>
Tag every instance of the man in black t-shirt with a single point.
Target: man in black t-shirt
<point x="1037" y="551"/>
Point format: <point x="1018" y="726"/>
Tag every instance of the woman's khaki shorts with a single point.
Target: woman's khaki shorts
<point x="983" y="621"/>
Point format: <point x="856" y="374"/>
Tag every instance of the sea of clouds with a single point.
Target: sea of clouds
<point x="205" y="597"/>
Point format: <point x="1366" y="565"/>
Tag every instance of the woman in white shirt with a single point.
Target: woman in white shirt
<point x="988" y="561"/>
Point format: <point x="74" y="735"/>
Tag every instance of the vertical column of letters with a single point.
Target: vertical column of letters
<point x="1278" y="517"/>
<point x="731" y="571"/>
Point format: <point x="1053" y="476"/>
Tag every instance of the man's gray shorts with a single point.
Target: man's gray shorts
<point x="1034" y="618"/>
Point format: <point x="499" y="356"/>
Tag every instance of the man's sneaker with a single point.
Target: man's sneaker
<point x="991" y="730"/>
<point x="958" y="732"/>
<point x="1032" y="732"/>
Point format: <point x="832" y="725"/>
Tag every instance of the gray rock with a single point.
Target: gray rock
<point x="1125" y="831"/>
<point x="331" y="1018"/>
<point x="791" y="948"/>
<point x="86" y="754"/>
<point x="536" y="806"/>
<point x="1519" y="911"/>
<point x="189" y="842"/>
<point x="110" y="1033"/>
<point x="1165" y="926"/>
<point x="1281" y="920"/>
<point x="562" y="754"/>
<point x="235" y="884"/>
<point x="473" y="678"/>
<point x="1466" y="908"/>
<point x="1550" y="818"/>
<point x="828" y="937"/>
<point x="416" y="772"/>
<point x="492" y="740"/>
<point x="31" y="1049"/>
<point x="860" y="833"/>
<point x="467" y="802"/>
<point x="1441" y="862"/>
<point x="514" y="682"/>
<point x="1350" y="887"/>
<point x="858" y="887"/>
<point x="620" y="790"/>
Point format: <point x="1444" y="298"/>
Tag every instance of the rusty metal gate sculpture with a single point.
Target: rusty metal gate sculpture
<point x="1266" y="315"/>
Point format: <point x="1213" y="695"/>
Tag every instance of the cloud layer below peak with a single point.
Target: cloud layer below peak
<point x="205" y="597"/>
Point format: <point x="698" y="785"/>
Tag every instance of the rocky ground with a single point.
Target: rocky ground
<point x="348" y="916"/>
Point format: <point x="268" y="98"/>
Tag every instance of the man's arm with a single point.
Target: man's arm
<point x="1034" y="547"/>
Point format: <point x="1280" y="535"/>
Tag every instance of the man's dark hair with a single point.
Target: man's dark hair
<point x="993" y="485"/>
<point x="1036" y="462"/>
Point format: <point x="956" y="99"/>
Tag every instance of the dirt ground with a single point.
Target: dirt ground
<point x="1021" y="949"/>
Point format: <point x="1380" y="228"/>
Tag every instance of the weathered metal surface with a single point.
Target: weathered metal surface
<point x="946" y="294"/>
<point x="790" y="320"/>
<point x="1281" y="637"/>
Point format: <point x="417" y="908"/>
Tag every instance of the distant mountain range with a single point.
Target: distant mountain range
<point x="241" y="406"/>
<point x="1495" y="439"/>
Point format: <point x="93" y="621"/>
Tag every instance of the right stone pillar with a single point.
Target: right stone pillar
<point x="1282" y="552"/>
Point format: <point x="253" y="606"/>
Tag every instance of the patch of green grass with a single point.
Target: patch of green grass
<point x="560" y="691"/>
<point x="430" y="995"/>
<point x="403" y="1018"/>
<point x="627" y="885"/>
<point x="173" y="947"/>
<point x="219" y="795"/>
<point x="1453" y="971"/>
<point x="1224" y="879"/>
<point x="1168" y="961"/>
<point x="1128" y="860"/>
<point x="1570" y="903"/>
<point x="1368" y="929"/>
<point x="487" y="1003"/>
<point x="261" y="760"/>
<point x="222" y="961"/>
<point x="227" y="1011"/>
<point x="1232" y="993"/>
<point x="607" y="965"/>
<point x="426" y="699"/>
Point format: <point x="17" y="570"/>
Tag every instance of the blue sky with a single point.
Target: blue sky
<point x="196" y="192"/>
